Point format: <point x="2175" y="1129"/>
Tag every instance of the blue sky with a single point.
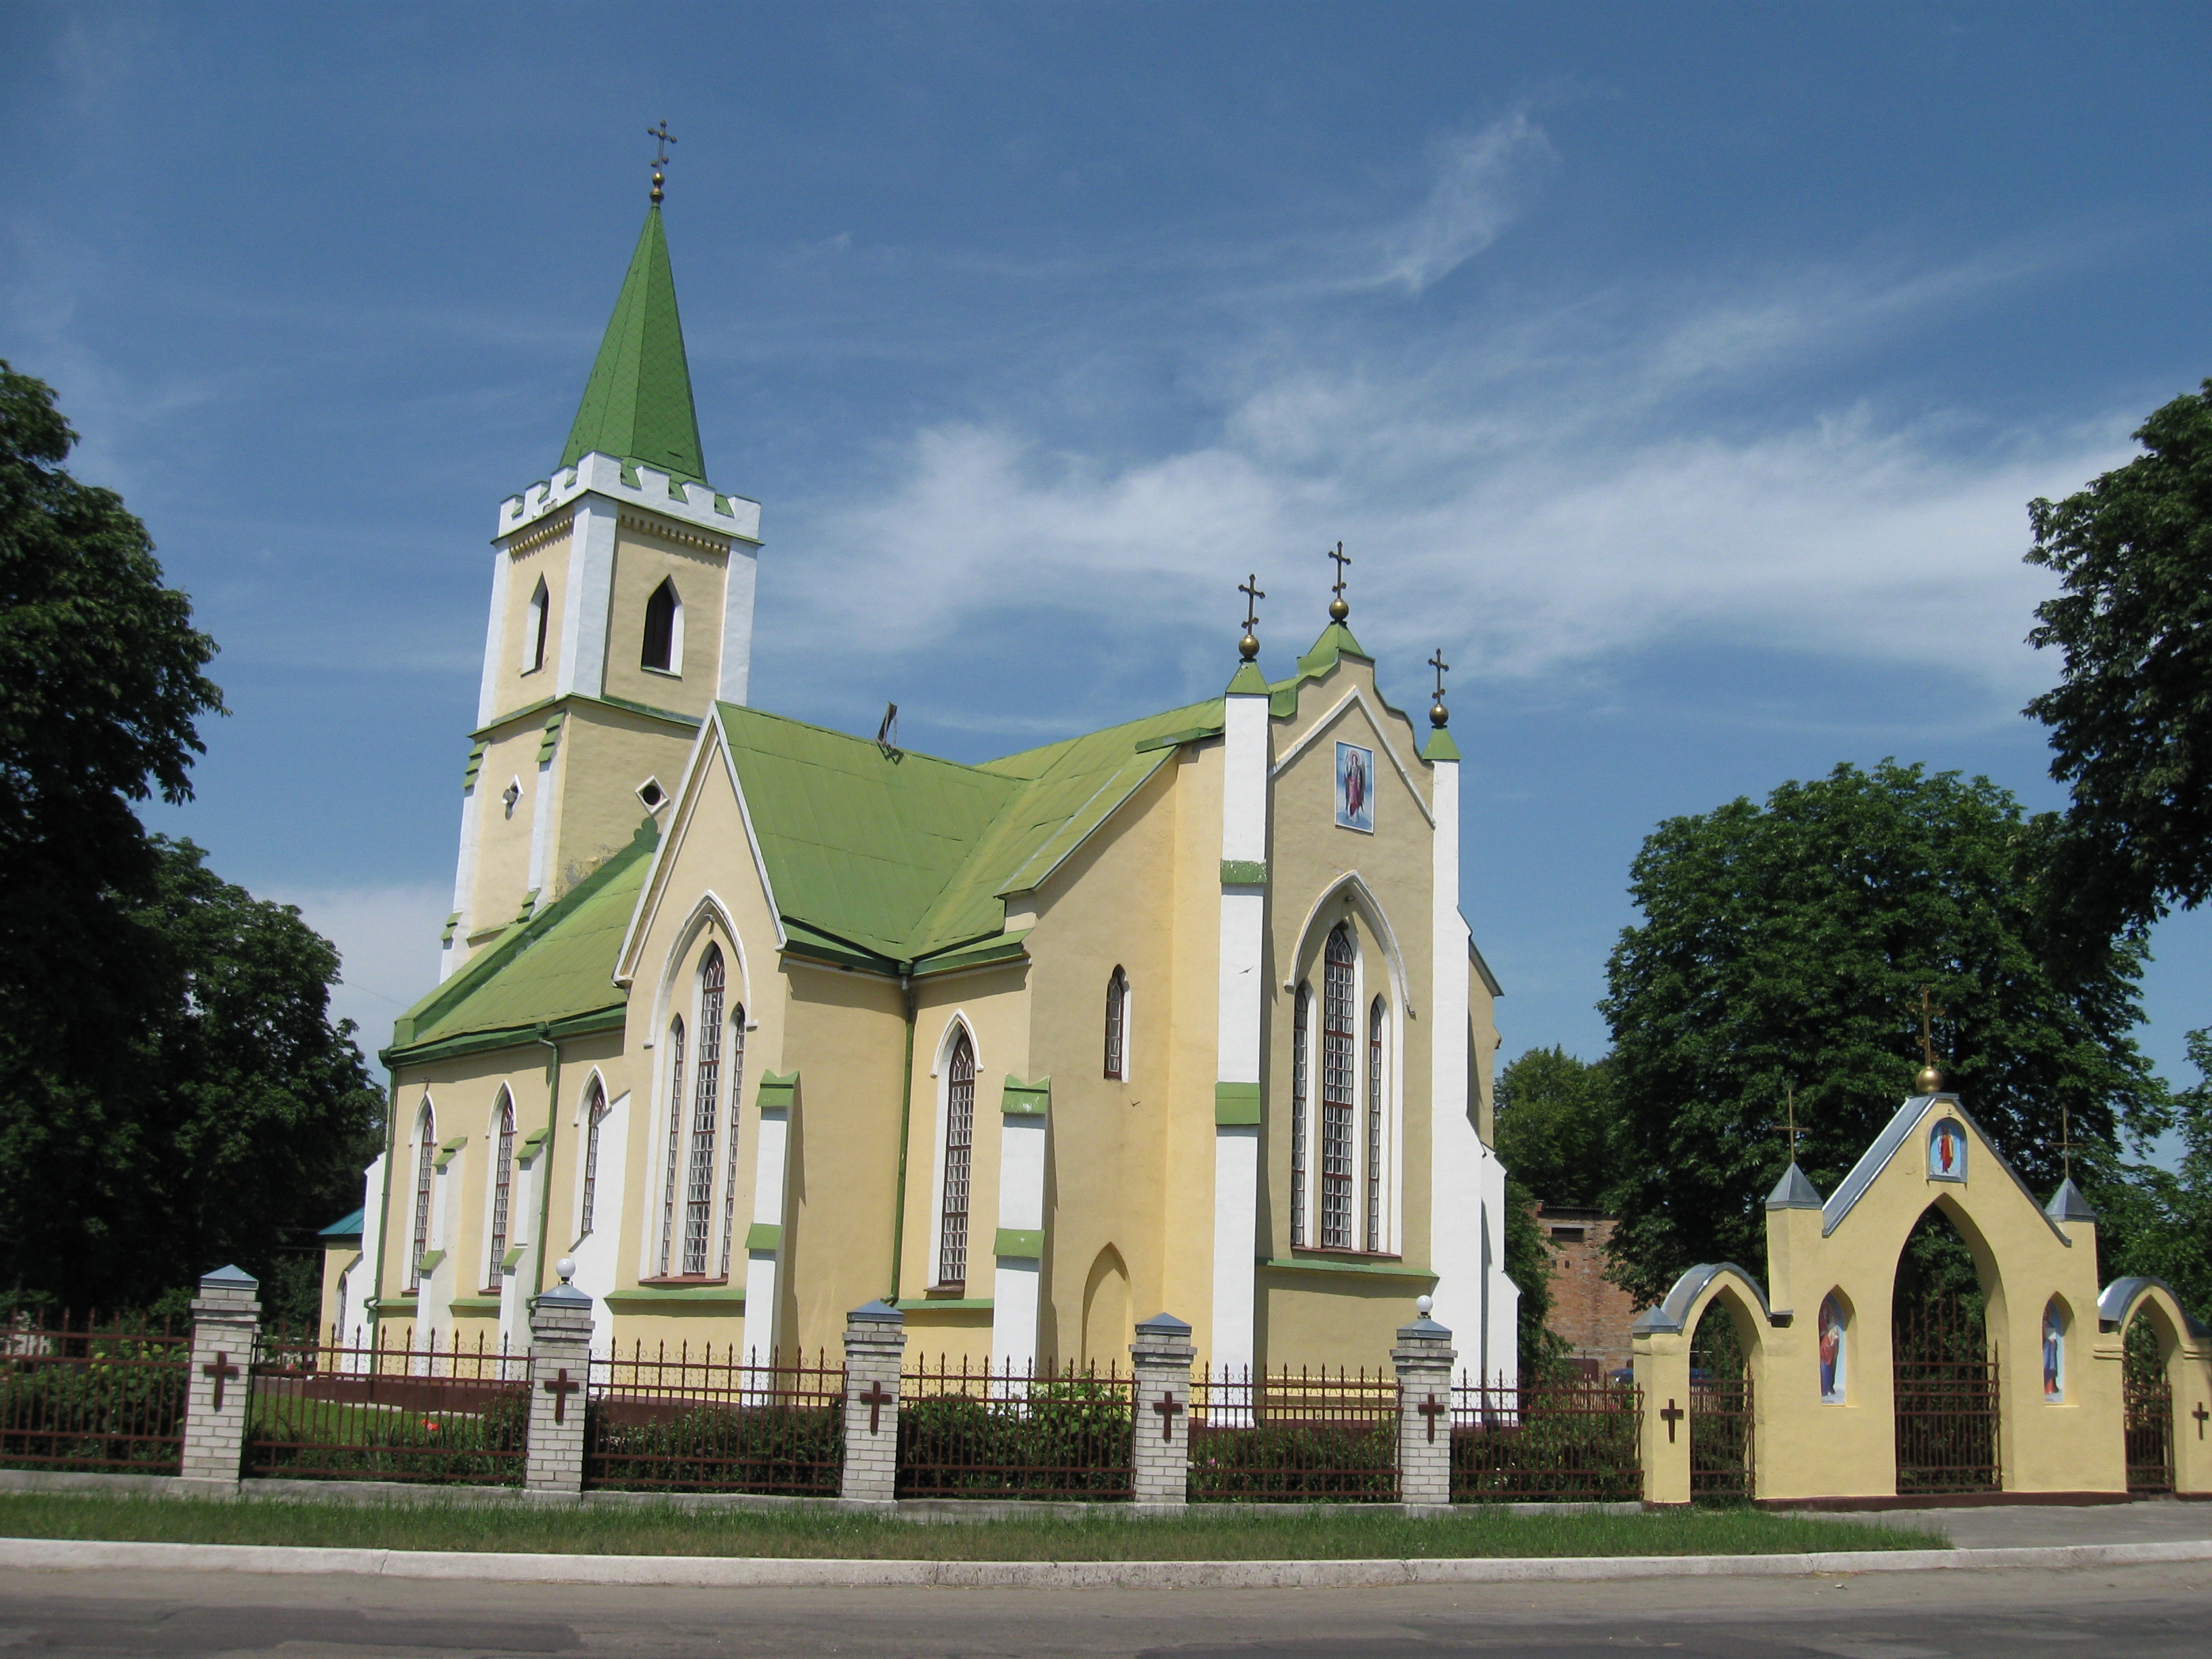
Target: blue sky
<point x="1682" y="371"/>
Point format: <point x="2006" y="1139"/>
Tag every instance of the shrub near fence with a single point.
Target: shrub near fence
<point x="1294" y="1439"/>
<point x="84" y="1397"/>
<point x="391" y="1411"/>
<point x="1548" y="1443"/>
<point x="694" y="1423"/>
<point x="969" y="1432"/>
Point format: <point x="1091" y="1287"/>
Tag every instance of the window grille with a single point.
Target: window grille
<point x="706" y="1108"/>
<point x="660" y="650"/>
<point x="502" y="1190"/>
<point x="595" y="1114"/>
<point x="1301" y="1035"/>
<point x="1374" y="1018"/>
<point x="729" y="1157"/>
<point x="1336" y="1093"/>
<point x="674" y="1146"/>
<point x="1117" y="1012"/>
<point x="425" y="1170"/>
<point x="960" y="1142"/>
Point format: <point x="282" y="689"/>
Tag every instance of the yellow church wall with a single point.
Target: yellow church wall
<point x="605" y="754"/>
<point x="500" y="877"/>
<point x="540" y="553"/>
<point x="336" y="1258"/>
<point x="603" y="1054"/>
<point x="645" y="555"/>
<point x="1311" y="1317"/>
<point x="1184" y="1148"/>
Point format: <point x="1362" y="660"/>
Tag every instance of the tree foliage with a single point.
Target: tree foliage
<point x="1783" y="946"/>
<point x="1556" y="1126"/>
<point x="2158" y="1221"/>
<point x="2131" y="720"/>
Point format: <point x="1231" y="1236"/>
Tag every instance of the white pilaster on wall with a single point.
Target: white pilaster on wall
<point x="585" y="610"/>
<point x="361" y="1282"/>
<point x="737" y="622"/>
<point x="1243" y="993"/>
<point x="764" y="1240"/>
<point x="543" y="800"/>
<point x="1018" y="1250"/>
<point x="464" y="875"/>
<point x="494" y="640"/>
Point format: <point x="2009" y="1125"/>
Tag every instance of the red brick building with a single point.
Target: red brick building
<point x="1588" y="1311"/>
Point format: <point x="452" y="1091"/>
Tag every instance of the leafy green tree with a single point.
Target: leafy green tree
<point x="1783" y="947"/>
<point x="1555" y="1126"/>
<point x="1529" y="1265"/>
<point x="2131" y="720"/>
<point x="2158" y="1221"/>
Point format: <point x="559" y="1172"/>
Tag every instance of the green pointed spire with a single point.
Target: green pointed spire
<point x="637" y="404"/>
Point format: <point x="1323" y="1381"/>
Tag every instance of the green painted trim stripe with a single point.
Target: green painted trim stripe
<point x="1019" y="1241"/>
<point x="652" y="1295"/>
<point x="1244" y="872"/>
<point x="764" y="1235"/>
<point x="611" y="1018"/>
<point x="1020" y="1099"/>
<point x="1177" y="739"/>
<point x="581" y="699"/>
<point x="1372" y="1269"/>
<point x="474" y="1304"/>
<point x="531" y="1143"/>
<point x="429" y="1264"/>
<point x="1235" y="1104"/>
<point x="1006" y="947"/>
<point x="778" y="1094"/>
<point x="551" y="740"/>
<point x="952" y="1304"/>
<point x="514" y="1256"/>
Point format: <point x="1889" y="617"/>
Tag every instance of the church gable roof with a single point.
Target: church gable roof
<point x="637" y="404"/>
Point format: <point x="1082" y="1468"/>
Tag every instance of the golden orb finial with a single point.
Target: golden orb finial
<point x="1338" y="610"/>
<point x="664" y="138"/>
<point x="1928" y="1081"/>
<point x="1438" y="714"/>
<point x="1249" y="647"/>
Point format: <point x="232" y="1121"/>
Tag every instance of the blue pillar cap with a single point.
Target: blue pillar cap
<point x="878" y="1312"/>
<point x="230" y="1277"/>
<point x="1162" y="1324"/>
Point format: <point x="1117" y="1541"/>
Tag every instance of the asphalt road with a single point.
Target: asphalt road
<point x="2148" y="1611"/>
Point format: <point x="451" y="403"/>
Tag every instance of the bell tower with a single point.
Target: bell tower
<point x="622" y="607"/>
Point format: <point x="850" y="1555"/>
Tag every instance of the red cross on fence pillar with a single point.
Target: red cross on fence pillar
<point x="226" y="1330"/>
<point x="1161" y="1358"/>
<point x="559" y="1364"/>
<point x="1423" y="1355"/>
<point x="875" y="1353"/>
<point x="1169" y="1409"/>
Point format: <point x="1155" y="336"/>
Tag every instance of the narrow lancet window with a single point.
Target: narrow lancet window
<point x="705" y="1111"/>
<point x="426" y="1170"/>
<point x="1301" y="1040"/>
<point x="730" y="1156"/>
<point x="533" y="638"/>
<point x="1336" y="1093"/>
<point x="1376" y="1016"/>
<point x="959" y="1146"/>
<point x="675" y="1147"/>
<point x="1117" y="1025"/>
<point x="502" y="1191"/>
<point x="595" y="1114"/>
<point x="664" y="621"/>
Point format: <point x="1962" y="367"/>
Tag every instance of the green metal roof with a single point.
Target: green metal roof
<point x="638" y="405"/>
<point x="558" y="967"/>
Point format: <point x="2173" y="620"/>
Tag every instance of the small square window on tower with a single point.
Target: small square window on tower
<point x="652" y="794"/>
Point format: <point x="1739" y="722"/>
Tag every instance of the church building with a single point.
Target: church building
<point x="755" y="1022"/>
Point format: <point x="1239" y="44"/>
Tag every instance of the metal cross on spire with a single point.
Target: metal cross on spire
<point x="1930" y="1079"/>
<point x="1438" y="714"/>
<point x="1249" y="647"/>
<point x="1789" y="1126"/>
<point x="1338" y="610"/>
<point x="2066" y="1139"/>
<point x="663" y="138"/>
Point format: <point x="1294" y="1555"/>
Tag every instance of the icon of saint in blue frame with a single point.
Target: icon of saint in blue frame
<point x="1355" y="788"/>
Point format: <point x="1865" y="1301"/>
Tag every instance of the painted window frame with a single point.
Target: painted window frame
<point x="959" y="1036"/>
<point x="671" y="663"/>
<point x="1301" y="1094"/>
<point x="595" y="1117"/>
<point x="420" y="1236"/>
<point x="1117" y="1025"/>
<point x="1336" y="1192"/>
<point x="499" y="1190"/>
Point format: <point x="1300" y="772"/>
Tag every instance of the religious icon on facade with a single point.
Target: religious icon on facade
<point x="1833" y="1337"/>
<point x="1355" y="787"/>
<point x="2054" y="1355"/>
<point x="1946" y="1151"/>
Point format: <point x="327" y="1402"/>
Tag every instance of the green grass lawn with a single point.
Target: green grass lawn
<point x="658" y="1529"/>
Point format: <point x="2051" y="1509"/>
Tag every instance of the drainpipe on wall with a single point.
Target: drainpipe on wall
<point x="545" y="1035"/>
<point x="906" y="1109"/>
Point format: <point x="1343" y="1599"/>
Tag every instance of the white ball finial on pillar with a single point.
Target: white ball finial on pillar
<point x="1423" y="1304"/>
<point x="566" y="1267"/>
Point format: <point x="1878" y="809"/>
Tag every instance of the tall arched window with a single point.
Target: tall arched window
<point x="706" y="1112"/>
<point x="1337" y="1075"/>
<point x="1374" y="1018"/>
<point x="730" y="1157"/>
<point x="533" y="634"/>
<point x="675" y="1147"/>
<point x="959" y="1147"/>
<point x="1301" y="1040"/>
<point x="502" y="1190"/>
<point x="664" y="630"/>
<point x="426" y="1169"/>
<point x="595" y="1114"/>
<point x="1117" y="1025"/>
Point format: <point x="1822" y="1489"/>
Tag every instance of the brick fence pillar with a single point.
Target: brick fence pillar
<point x="226" y="1321"/>
<point x="1423" y="1357"/>
<point x="875" y="1345"/>
<point x="1161" y="1357"/>
<point x="559" y="1383"/>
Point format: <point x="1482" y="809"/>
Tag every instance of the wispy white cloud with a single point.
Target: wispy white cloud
<point x="1483" y="181"/>
<point x="387" y="939"/>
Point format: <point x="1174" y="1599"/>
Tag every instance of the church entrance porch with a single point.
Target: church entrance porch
<point x="2149" y="1397"/>
<point x="1720" y="1411"/>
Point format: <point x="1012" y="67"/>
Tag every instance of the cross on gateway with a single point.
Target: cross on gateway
<point x="1168" y="1411"/>
<point x="219" y="1368"/>
<point x="1432" y="1409"/>
<point x="877" y="1397"/>
<point x="1673" y="1415"/>
<point x="560" y="1387"/>
<point x="2200" y="1414"/>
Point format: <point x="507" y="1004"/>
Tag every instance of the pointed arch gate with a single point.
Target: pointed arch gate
<point x="1945" y="1386"/>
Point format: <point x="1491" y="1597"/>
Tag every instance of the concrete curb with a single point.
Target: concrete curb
<point x="739" y="1572"/>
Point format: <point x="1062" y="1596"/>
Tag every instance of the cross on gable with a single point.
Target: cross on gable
<point x="1673" y="1415"/>
<point x="1342" y="559"/>
<point x="2201" y="1415"/>
<point x="560" y="1387"/>
<point x="1432" y="1409"/>
<point x="1253" y="593"/>
<point x="877" y="1397"/>
<point x="1168" y="1411"/>
<point x="219" y="1368"/>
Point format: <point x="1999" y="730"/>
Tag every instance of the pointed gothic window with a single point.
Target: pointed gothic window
<point x="1117" y="1025"/>
<point x="959" y="1145"/>
<point x="730" y="1157"/>
<point x="426" y="1170"/>
<point x="1376" y="1017"/>
<point x="595" y="1114"/>
<point x="674" y="1146"/>
<point x="502" y="1190"/>
<point x="1336" y="1092"/>
<point x="533" y="637"/>
<point x="664" y="630"/>
<point x="706" y="1110"/>
<point x="1301" y="1039"/>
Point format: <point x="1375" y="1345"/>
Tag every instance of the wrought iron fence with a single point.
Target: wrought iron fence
<point x="389" y="1410"/>
<point x="1720" y="1438"/>
<point x="686" y="1422"/>
<point x="2148" y="1397"/>
<point x="1311" y="1437"/>
<point x="971" y="1432"/>
<point x="1945" y="1385"/>
<point x="1546" y="1442"/>
<point x="92" y="1397"/>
